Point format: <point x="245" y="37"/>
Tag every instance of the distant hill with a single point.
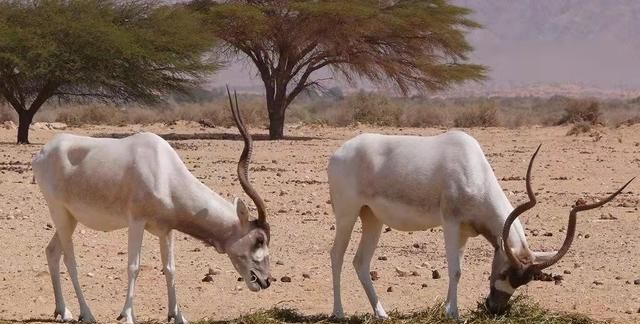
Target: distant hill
<point x="541" y="47"/>
<point x="590" y="42"/>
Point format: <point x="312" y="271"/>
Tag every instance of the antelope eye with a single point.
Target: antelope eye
<point x="259" y="241"/>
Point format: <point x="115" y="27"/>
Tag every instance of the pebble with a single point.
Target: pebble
<point x="416" y="245"/>
<point x="390" y="289"/>
<point x="401" y="272"/>
<point x="383" y="258"/>
<point x="374" y="275"/>
<point x="424" y="285"/>
<point x="279" y="262"/>
<point x="207" y="278"/>
<point x="598" y="283"/>
<point x="587" y="236"/>
<point x="306" y="275"/>
<point x="435" y="274"/>
<point x="285" y="279"/>
<point x="415" y="273"/>
<point x="90" y="275"/>
<point x="240" y="278"/>
<point x="567" y="272"/>
<point x="636" y="282"/>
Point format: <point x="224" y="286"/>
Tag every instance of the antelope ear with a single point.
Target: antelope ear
<point x="539" y="257"/>
<point x="526" y="256"/>
<point x="242" y="211"/>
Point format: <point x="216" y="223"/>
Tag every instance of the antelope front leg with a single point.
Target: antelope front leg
<point x="167" y="253"/>
<point x="136" y="232"/>
<point x="454" y="246"/>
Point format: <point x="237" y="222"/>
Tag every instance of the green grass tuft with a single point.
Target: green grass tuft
<point x="521" y="311"/>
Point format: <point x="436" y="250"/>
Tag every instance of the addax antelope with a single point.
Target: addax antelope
<point x="140" y="183"/>
<point x="413" y="183"/>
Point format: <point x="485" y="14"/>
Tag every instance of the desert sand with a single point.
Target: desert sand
<point x="599" y="270"/>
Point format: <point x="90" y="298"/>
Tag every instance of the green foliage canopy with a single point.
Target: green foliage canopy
<point x="412" y="45"/>
<point x="110" y="50"/>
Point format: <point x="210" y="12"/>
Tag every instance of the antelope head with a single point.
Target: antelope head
<point x="513" y="267"/>
<point x="249" y="249"/>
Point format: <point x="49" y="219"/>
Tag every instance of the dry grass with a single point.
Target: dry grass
<point x="522" y="311"/>
<point x="365" y="108"/>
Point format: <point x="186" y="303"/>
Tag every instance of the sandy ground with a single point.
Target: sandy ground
<point x="291" y="175"/>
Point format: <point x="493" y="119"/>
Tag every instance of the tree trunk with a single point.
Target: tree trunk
<point x="25" y="117"/>
<point x="276" y="119"/>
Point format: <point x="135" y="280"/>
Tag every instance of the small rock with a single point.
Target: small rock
<point x="285" y="279"/>
<point x="567" y="272"/>
<point x="390" y="289"/>
<point x="240" y="278"/>
<point x="548" y="234"/>
<point x="557" y="279"/>
<point x="618" y="277"/>
<point x="207" y="278"/>
<point x="388" y="229"/>
<point x="435" y="274"/>
<point x="42" y="274"/>
<point x="587" y="236"/>
<point x="279" y="262"/>
<point x="374" y="275"/>
<point x="416" y="245"/>
<point x="213" y="272"/>
<point x="90" y="275"/>
<point x="636" y="282"/>
<point x="598" y="283"/>
<point x="382" y="258"/>
<point x="424" y="285"/>
<point x="306" y="275"/>
<point x="401" y="272"/>
<point x="415" y="273"/>
<point x="332" y="228"/>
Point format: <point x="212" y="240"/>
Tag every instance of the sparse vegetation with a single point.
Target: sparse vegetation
<point x="584" y="112"/>
<point x="363" y="108"/>
<point x="523" y="311"/>
<point x="482" y="116"/>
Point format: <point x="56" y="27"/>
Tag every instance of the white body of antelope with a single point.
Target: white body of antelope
<point x="413" y="183"/>
<point x="140" y="183"/>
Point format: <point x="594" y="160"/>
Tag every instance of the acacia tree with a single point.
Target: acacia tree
<point x="111" y="50"/>
<point x="410" y="44"/>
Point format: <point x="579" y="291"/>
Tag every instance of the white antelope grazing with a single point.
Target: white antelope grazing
<point x="140" y="182"/>
<point x="413" y="183"/>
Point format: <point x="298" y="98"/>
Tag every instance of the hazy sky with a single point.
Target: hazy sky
<point x="590" y="42"/>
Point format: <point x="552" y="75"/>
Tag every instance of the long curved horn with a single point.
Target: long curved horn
<point x="571" y="228"/>
<point x="245" y="158"/>
<point x="516" y="212"/>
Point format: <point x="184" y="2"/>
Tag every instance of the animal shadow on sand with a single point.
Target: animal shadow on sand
<point x="208" y="136"/>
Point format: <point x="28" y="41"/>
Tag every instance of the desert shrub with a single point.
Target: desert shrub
<point x="93" y="114"/>
<point x="482" y="116"/>
<point x="582" y="111"/>
<point x="580" y="128"/>
<point x="374" y="110"/>
<point x="7" y="113"/>
<point x="421" y="116"/>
